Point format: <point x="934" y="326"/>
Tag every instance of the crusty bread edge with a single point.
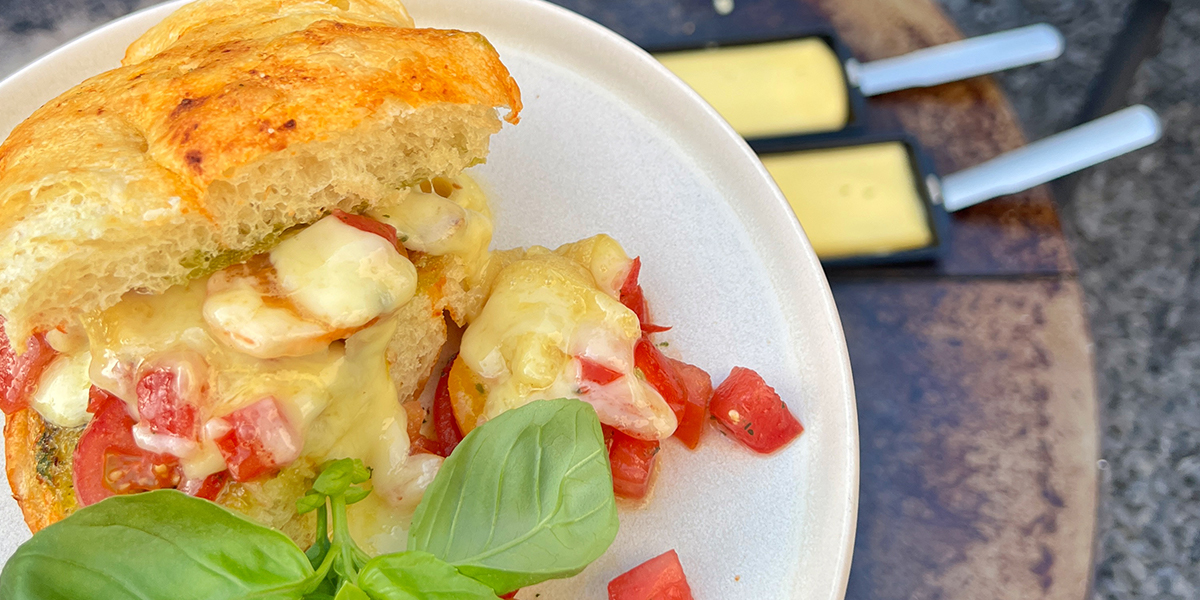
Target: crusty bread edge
<point x="39" y="503"/>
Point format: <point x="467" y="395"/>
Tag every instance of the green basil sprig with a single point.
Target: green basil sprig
<point x="161" y="544"/>
<point x="524" y="498"/>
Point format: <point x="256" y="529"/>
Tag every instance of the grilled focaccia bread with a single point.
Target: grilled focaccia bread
<point x="166" y="242"/>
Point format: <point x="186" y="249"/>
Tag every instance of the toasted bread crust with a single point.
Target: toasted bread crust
<point x="41" y="503"/>
<point x="224" y="128"/>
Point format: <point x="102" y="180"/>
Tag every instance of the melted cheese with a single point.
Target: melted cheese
<point x="342" y="275"/>
<point x="449" y="218"/>
<point x="546" y="310"/>
<point x="62" y="393"/>
<point x="854" y="201"/>
<point x="771" y="89"/>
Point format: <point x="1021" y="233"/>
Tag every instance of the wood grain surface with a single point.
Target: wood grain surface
<point x="976" y="394"/>
<point x="978" y="421"/>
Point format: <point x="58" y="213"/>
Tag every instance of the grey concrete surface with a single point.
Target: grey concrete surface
<point x="1135" y="228"/>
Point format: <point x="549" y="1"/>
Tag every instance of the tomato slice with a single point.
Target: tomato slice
<point x="593" y="372"/>
<point x="415" y="418"/>
<point x="698" y="389"/>
<point x="444" y="423"/>
<point x="370" y="225"/>
<point x="19" y="374"/>
<point x="753" y="413"/>
<point x="634" y="298"/>
<point x="162" y="407"/>
<point x="107" y="460"/>
<point x="632" y="462"/>
<point x="256" y="440"/>
<point x="660" y="374"/>
<point x="660" y="578"/>
<point x="418" y="442"/>
<point x="468" y="394"/>
<point x="208" y="488"/>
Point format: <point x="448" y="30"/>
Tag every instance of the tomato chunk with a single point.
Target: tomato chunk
<point x="660" y="374"/>
<point x="753" y="413"/>
<point x="369" y="225"/>
<point x="256" y="440"/>
<point x="698" y="391"/>
<point x="634" y="298"/>
<point x="632" y="462"/>
<point x="107" y="460"/>
<point x="444" y="423"/>
<point x="593" y="372"/>
<point x="660" y="578"/>
<point x="19" y="374"/>
<point x="163" y="408"/>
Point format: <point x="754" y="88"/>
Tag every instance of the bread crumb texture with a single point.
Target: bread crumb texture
<point x="229" y="123"/>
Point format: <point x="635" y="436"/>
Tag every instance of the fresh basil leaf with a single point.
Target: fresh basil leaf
<point x="418" y="576"/>
<point x="524" y="498"/>
<point x="161" y="544"/>
<point x="356" y="494"/>
<point x="309" y="502"/>
<point x="335" y="477"/>
<point x="351" y="592"/>
<point x="360" y="473"/>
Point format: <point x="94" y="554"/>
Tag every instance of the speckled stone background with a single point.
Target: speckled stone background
<point x="1134" y="225"/>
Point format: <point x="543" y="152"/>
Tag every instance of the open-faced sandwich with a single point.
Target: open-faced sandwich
<point x="228" y="269"/>
<point x="193" y="294"/>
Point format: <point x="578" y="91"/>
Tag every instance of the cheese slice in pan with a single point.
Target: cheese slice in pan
<point x="855" y="201"/>
<point x="770" y="89"/>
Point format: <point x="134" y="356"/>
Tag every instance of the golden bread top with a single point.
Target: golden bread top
<point x="230" y="122"/>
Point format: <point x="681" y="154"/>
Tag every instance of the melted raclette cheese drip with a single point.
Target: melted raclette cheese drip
<point x="854" y="201"/>
<point x="771" y="89"/>
<point x="546" y="313"/>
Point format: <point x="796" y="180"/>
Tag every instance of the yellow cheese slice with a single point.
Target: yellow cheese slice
<point x="771" y="89"/>
<point x="854" y="201"/>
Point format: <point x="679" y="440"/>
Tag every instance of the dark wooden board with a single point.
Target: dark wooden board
<point x="978" y="433"/>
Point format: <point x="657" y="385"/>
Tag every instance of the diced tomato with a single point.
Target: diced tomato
<point x="19" y="374"/>
<point x="632" y="462"/>
<point x="699" y="390"/>
<point x="369" y="225"/>
<point x="424" y="445"/>
<point x="591" y="371"/>
<point x="660" y="578"/>
<point x="634" y="298"/>
<point x="630" y="285"/>
<point x="753" y="413"/>
<point x="660" y="374"/>
<point x="208" y="488"/>
<point x="162" y="407"/>
<point x="607" y="430"/>
<point x="256" y="440"/>
<point x="107" y="460"/>
<point x="444" y="423"/>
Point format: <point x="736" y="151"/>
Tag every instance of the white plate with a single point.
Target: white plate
<point x="611" y="142"/>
